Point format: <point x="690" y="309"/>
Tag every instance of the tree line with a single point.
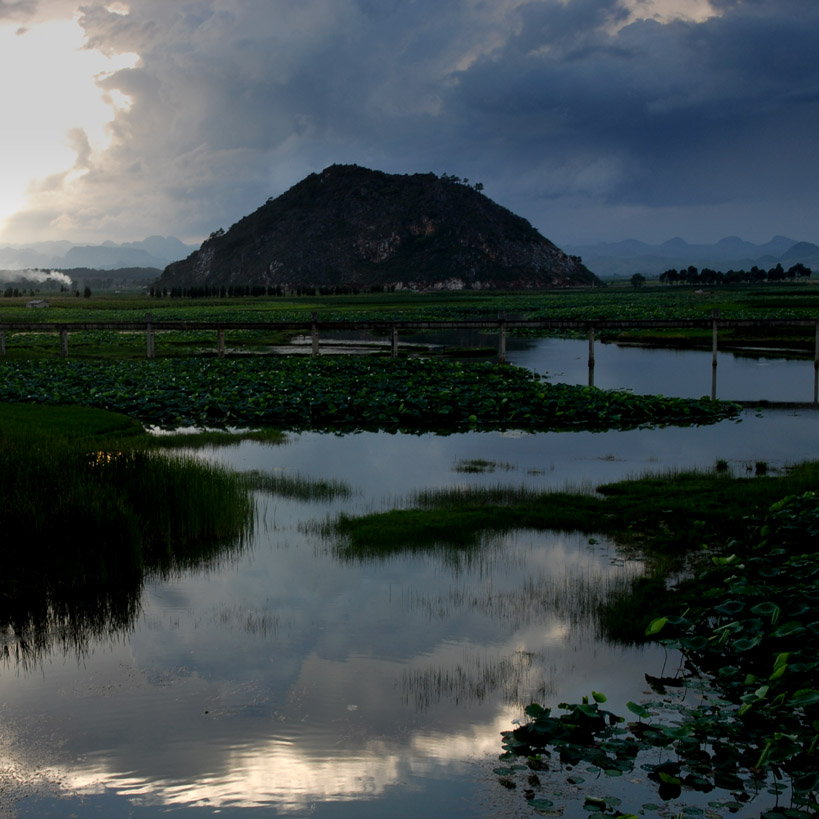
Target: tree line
<point x="246" y="290"/>
<point x="690" y="275"/>
<point x="17" y="292"/>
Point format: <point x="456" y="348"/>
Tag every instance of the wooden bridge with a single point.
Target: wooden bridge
<point x="392" y="329"/>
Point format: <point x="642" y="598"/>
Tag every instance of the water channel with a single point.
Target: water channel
<point x="288" y="681"/>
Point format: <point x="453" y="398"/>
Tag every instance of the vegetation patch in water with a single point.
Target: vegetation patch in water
<point x="343" y="394"/>
<point x="480" y="466"/>
<point x="298" y="486"/>
<point x="748" y="631"/>
<point x="667" y="514"/>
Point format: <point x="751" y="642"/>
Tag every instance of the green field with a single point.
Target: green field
<point x="771" y="301"/>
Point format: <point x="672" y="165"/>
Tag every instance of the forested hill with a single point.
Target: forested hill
<point x="353" y="227"/>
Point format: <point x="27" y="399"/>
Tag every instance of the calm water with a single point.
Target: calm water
<point x="289" y="682"/>
<point x="683" y="373"/>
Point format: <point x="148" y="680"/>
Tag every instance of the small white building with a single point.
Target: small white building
<point x="37" y="304"/>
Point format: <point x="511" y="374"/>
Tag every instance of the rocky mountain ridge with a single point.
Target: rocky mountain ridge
<point x="349" y="226"/>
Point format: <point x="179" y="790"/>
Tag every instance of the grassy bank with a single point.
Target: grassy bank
<point x="84" y="504"/>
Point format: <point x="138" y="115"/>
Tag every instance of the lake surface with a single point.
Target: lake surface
<point x="288" y="681"/>
<point x="679" y="373"/>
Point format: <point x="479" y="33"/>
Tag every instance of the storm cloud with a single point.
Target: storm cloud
<point x="592" y="118"/>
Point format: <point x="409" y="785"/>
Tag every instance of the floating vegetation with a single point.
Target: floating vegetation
<point x="343" y="394"/>
<point x="749" y="635"/>
<point x="481" y="466"/>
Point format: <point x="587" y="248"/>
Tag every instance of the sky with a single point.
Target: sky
<point x="597" y="120"/>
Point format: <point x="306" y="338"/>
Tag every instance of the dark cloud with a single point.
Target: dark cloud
<point x="16" y="9"/>
<point x="568" y="111"/>
<point x="680" y="113"/>
<point x="36" y="10"/>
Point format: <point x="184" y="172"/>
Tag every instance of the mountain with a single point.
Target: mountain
<point x="155" y="251"/>
<point x="108" y="258"/>
<point x="623" y="259"/>
<point x="800" y="251"/>
<point x="349" y="226"/>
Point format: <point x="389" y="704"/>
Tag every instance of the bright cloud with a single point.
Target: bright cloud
<point x="54" y="115"/>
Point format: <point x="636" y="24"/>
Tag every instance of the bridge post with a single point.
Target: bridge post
<point x="64" y="343"/>
<point x="502" y="338"/>
<point x="591" y="355"/>
<point x="150" y="341"/>
<point x="315" y="334"/>
<point x="394" y="342"/>
<point x="715" y="314"/>
<point x="220" y="343"/>
<point x="816" y="368"/>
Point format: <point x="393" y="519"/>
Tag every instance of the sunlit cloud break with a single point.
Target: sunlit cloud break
<point x="594" y="119"/>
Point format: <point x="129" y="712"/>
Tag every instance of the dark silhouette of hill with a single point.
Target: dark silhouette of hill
<point x="353" y="227"/>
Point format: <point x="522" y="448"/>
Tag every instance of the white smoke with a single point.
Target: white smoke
<point x="36" y="276"/>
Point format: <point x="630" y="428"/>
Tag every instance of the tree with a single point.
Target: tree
<point x="87" y="292"/>
<point x="638" y="280"/>
<point x="776" y="274"/>
<point x="799" y="270"/>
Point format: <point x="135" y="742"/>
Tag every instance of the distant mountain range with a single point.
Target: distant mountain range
<point x="607" y="259"/>
<point x="623" y="259"/>
<point x="155" y="251"/>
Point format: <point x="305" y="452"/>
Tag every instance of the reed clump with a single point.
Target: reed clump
<point x="74" y="513"/>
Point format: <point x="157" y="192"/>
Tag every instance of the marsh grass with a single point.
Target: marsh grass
<point x="667" y="516"/>
<point x="88" y="514"/>
<point x="469" y="496"/>
<point x="201" y="439"/>
<point x="480" y="465"/>
<point x="104" y="515"/>
<point x="298" y="487"/>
